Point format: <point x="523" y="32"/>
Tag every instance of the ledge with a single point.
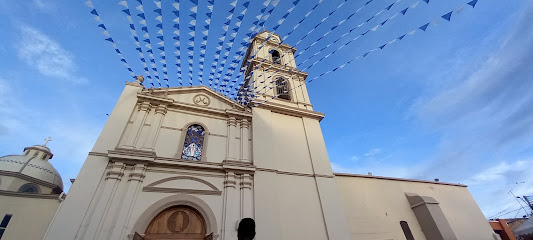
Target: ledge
<point x="397" y="179"/>
<point x="29" y="195"/>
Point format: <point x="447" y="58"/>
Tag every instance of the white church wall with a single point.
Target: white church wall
<point x="376" y="206"/>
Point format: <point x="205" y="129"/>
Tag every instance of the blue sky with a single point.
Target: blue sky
<point x="451" y="103"/>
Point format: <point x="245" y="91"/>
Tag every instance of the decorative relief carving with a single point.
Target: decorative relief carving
<point x="245" y="123"/>
<point x="161" y="109"/>
<point x="201" y="100"/>
<point x="145" y="106"/>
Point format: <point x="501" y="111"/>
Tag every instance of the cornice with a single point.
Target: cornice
<point x="29" y="195"/>
<point x="131" y="155"/>
<point x="276" y="68"/>
<point x="397" y="179"/>
<point x="282" y="46"/>
<point x="288" y="110"/>
<point x="293" y="173"/>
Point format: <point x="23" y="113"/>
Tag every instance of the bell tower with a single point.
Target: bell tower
<point x="271" y="74"/>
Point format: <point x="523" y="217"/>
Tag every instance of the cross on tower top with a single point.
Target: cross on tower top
<point x="46" y="140"/>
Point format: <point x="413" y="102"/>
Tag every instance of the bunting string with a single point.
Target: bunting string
<point x="161" y="43"/>
<point x="146" y="39"/>
<point x="203" y="46"/>
<point x="403" y="12"/>
<point x="246" y="42"/>
<point x="230" y="42"/>
<point x="252" y="56"/>
<point x="106" y="33"/>
<point x="133" y="31"/>
<point x="242" y="50"/>
<point x="225" y="27"/>
<point x="422" y="28"/>
<point x="190" y="53"/>
<point x="373" y="29"/>
<point x="177" y="45"/>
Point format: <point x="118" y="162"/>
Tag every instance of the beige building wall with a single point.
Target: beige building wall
<point x="31" y="215"/>
<point x="376" y="205"/>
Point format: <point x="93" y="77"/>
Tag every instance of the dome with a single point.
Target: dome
<point x="33" y="163"/>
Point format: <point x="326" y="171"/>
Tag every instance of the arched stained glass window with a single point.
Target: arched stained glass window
<point x="194" y="143"/>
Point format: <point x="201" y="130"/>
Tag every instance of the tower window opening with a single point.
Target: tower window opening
<point x="194" y="143"/>
<point x="282" y="89"/>
<point x="276" y="57"/>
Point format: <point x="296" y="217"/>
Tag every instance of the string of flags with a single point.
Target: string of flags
<point x="146" y="39"/>
<point x="423" y="28"/>
<point x="248" y="40"/>
<point x="254" y="54"/>
<point x="229" y="75"/>
<point x="225" y="27"/>
<point x="203" y="47"/>
<point x="308" y="33"/>
<point x="138" y="48"/>
<point x="257" y="25"/>
<point x="229" y="43"/>
<point x="177" y="45"/>
<point x="101" y="25"/>
<point x="161" y="43"/>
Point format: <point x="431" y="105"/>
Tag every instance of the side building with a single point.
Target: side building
<point x="31" y="191"/>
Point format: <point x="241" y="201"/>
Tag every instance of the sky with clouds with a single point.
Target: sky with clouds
<point x="452" y="103"/>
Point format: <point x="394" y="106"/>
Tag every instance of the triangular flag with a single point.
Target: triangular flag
<point x="472" y="3"/>
<point x="424" y="27"/>
<point x="401" y="37"/>
<point x="447" y="16"/>
<point x="404" y="11"/>
<point x="382" y="46"/>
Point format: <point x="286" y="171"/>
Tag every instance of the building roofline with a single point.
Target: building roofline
<point x="397" y="179"/>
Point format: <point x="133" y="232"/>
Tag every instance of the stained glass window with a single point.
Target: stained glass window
<point x="194" y="143"/>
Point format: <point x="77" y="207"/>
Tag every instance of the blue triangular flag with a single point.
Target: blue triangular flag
<point x="404" y="11"/>
<point x="102" y="26"/>
<point x="158" y="10"/>
<point x="146" y="40"/>
<point x="384" y="22"/>
<point x="246" y="4"/>
<point x="382" y="46"/>
<point x="93" y="12"/>
<point x="424" y="27"/>
<point x="144" y="29"/>
<point x="193" y="15"/>
<point x="123" y="60"/>
<point x="116" y="50"/>
<point x="141" y="15"/>
<point x="159" y="25"/>
<point x="143" y="60"/>
<point x="388" y="8"/>
<point x="472" y="3"/>
<point x="127" y="11"/>
<point x="160" y="38"/>
<point x="401" y="37"/>
<point x="195" y="2"/>
<point x="138" y="49"/>
<point x="447" y="16"/>
<point x="370" y="19"/>
<point x="364" y="55"/>
<point x="150" y="50"/>
<point x="109" y="39"/>
<point x="427" y="1"/>
<point x="132" y="26"/>
<point x="161" y="48"/>
<point x="209" y="14"/>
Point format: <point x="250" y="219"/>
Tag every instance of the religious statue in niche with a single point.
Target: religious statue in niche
<point x="194" y="142"/>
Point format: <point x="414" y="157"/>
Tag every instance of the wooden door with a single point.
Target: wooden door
<point x="178" y="222"/>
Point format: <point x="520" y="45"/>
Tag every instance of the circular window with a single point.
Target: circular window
<point x="29" y="188"/>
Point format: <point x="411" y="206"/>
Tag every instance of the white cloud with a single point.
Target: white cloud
<point x="373" y="152"/>
<point x="46" y="55"/>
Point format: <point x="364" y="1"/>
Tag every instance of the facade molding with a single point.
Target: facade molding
<point x="28" y="178"/>
<point x="397" y="179"/>
<point x="29" y="195"/>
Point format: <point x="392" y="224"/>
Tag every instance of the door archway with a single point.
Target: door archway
<point x="178" y="222"/>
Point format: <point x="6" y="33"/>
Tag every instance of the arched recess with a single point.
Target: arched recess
<point x="176" y="200"/>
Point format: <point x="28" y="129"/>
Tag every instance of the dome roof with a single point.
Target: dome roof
<point x="33" y="166"/>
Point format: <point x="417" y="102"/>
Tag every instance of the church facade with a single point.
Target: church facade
<point x="190" y="163"/>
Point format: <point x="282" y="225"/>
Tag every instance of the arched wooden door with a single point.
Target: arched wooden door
<point x="178" y="222"/>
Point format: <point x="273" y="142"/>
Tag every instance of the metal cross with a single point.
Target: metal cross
<point x="46" y="140"/>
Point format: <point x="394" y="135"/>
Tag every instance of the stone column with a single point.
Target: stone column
<point x="247" y="201"/>
<point x="130" y="137"/>
<point x="120" y="229"/>
<point x="149" y="142"/>
<point x="230" y="143"/>
<point x="113" y="176"/>
<point x="245" y="143"/>
<point x="230" y="208"/>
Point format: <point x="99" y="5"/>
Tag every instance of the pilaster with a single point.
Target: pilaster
<point x="113" y="176"/>
<point x="149" y="142"/>
<point x="231" y="207"/>
<point x="131" y="136"/>
<point x="245" y="143"/>
<point x="231" y="153"/>
<point x="135" y="179"/>
<point x="247" y="201"/>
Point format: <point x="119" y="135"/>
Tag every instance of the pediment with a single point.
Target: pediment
<point x="198" y="96"/>
<point x="183" y="184"/>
